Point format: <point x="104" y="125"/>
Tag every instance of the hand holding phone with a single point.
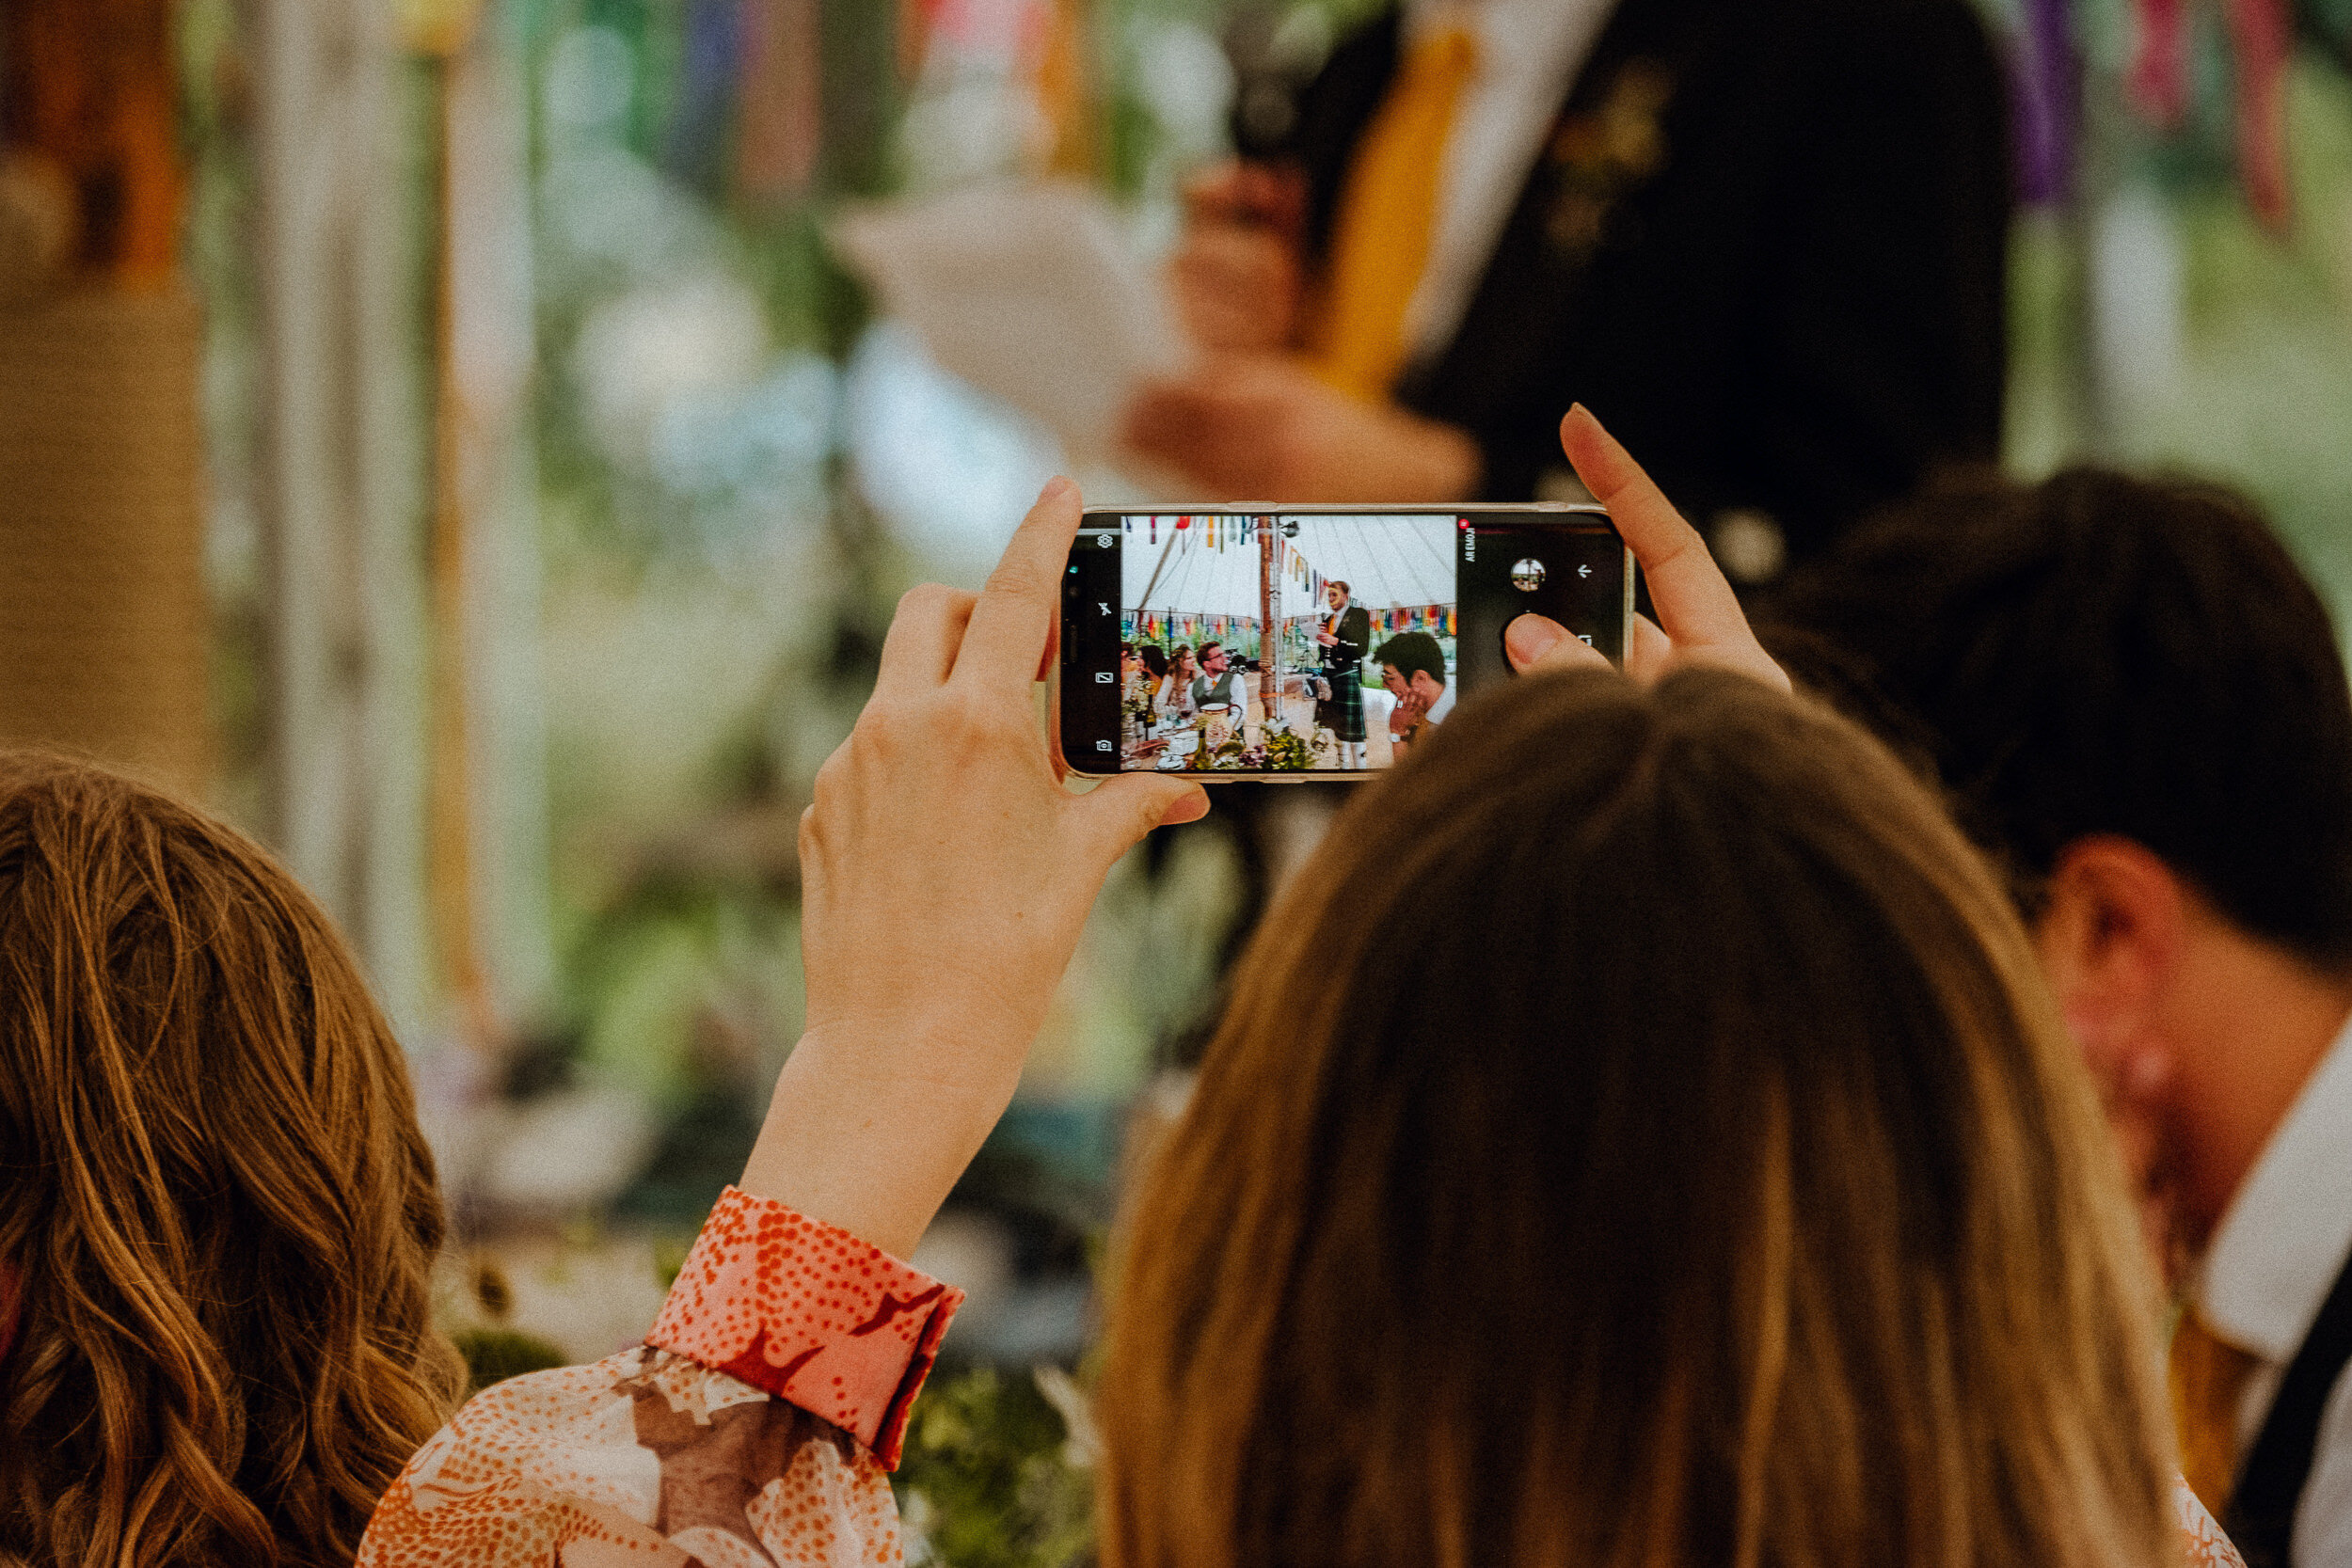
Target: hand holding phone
<point x="947" y="869"/>
<point x="1699" y="618"/>
<point x="946" y="873"/>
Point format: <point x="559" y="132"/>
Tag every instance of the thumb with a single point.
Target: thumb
<point x="1124" y="809"/>
<point x="1540" y="642"/>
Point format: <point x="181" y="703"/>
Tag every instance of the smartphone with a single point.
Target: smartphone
<point x="1273" y="643"/>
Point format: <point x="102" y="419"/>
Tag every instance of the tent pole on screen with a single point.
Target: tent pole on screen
<point x="1269" y="650"/>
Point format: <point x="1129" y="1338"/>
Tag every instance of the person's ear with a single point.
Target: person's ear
<point x="2112" y="934"/>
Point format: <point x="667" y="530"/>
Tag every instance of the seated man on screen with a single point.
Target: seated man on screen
<point x="1412" y="667"/>
<point x="1219" y="685"/>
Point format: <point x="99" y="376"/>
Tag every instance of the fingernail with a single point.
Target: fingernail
<point x="1180" y="811"/>
<point x="1531" y="637"/>
<point x="1055" y="489"/>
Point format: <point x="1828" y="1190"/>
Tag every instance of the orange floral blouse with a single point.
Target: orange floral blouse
<point x="754" y="1428"/>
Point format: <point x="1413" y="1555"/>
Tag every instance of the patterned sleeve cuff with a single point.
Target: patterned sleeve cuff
<point x="808" y="1312"/>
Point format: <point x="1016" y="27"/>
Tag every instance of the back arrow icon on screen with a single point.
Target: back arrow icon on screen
<point x="1585" y="571"/>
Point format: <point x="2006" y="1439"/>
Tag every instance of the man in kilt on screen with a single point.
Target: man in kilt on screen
<point x="1346" y="635"/>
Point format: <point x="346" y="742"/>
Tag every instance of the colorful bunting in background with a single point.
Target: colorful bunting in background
<point x="710" y="69"/>
<point x="2157" y="84"/>
<point x="2049" y="73"/>
<point x="2262" y="40"/>
<point x="779" y="123"/>
<point x="2162" y="82"/>
<point x="1066" y="90"/>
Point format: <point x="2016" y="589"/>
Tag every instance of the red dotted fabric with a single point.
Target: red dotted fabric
<point x="752" y="1431"/>
<point x="2202" y="1542"/>
<point x="810" y="1313"/>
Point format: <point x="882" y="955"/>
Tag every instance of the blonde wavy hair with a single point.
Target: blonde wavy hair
<point x="1639" y="1139"/>
<point x="217" y="1207"/>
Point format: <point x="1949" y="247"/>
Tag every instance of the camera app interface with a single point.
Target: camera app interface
<point x="1308" y="643"/>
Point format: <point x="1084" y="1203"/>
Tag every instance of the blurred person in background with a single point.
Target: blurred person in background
<point x="1768" y="241"/>
<point x="1770" y="1221"/>
<point x="2137" y="706"/>
<point x="218" y="1216"/>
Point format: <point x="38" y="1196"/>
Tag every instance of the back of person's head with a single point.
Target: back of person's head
<point x="1411" y="651"/>
<point x="1705" y="1180"/>
<point x="218" y="1211"/>
<point x="1155" y="661"/>
<point x="2103" y="655"/>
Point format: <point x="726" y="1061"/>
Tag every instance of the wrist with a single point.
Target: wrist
<point x="872" y="1148"/>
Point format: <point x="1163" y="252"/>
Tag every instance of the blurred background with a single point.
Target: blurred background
<point x="438" y="433"/>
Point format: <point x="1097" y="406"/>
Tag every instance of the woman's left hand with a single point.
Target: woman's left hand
<point x="945" y="874"/>
<point x="1699" y="618"/>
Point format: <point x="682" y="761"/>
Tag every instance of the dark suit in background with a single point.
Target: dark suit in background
<point x="1765" y="240"/>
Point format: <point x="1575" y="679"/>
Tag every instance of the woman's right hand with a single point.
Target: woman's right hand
<point x="1236" y="277"/>
<point x="945" y="871"/>
<point x="1699" y="618"/>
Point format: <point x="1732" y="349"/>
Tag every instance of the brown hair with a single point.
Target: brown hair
<point x="2101" y="653"/>
<point x="1640" y="1139"/>
<point x="218" y="1205"/>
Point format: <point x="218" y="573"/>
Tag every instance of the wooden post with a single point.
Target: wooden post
<point x="339" y="480"/>
<point x="1269" y="600"/>
<point x="486" y="799"/>
<point x="102" y="620"/>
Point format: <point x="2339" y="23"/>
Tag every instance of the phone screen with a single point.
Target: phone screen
<point x="1290" y="642"/>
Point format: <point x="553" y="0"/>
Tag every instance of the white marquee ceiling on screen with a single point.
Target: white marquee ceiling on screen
<point x="1386" y="562"/>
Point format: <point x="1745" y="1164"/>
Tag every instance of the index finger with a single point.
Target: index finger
<point x="1014" y="618"/>
<point x="1694" y="602"/>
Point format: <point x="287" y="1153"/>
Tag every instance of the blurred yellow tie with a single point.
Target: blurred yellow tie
<point x="2208" y="1377"/>
<point x="1388" y="208"/>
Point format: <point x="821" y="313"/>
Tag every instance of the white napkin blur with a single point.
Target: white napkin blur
<point x="1029" y="293"/>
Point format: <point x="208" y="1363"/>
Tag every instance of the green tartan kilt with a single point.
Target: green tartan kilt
<point x="1342" y="712"/>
